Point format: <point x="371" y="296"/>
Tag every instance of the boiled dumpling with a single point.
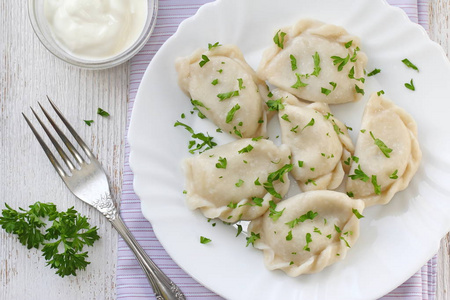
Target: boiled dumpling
<point x="225" y="89"/>
<point x="319" y="143"/>
<point x="387" y="153"/>
<point x="307" y="232"/>
<point x="238" y="180"/>
<point x="316" y="62"/>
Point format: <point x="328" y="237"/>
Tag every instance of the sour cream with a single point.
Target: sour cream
<point x="96" y="29"/>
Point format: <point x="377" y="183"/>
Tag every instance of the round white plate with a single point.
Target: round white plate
<point x="396" y="239"/>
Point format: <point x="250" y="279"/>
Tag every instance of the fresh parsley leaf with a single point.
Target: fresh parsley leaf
<point x="286" y="118"/>
<point x="317" y="68"/>
<point x="325" y="91"/>
<point x="239" y="183"/>
<point x="308" y="240"/>
<point x="348" y="44"/>
<point x="310" y="215"/>
<point x="385" y="149"/>
<point x="102" y="112"/>
<point x="410" y="85"/>
<point x="211" y="46"/>
<point x="258" y="201"/>
<point x="359" y="174"/>
<point x="394" y="175"/>
<point x="228" y="95"/>
<point x="351" y="75"/>
<point x="410" y="64"/>
<point x="294" y="129"/>
<point x="278" y="39"/>
<point x="239" y="230"/>
<point x="310" y="123"/>
<point x="289" y="236"/>
<point x="241" y="83"/>
<point x="232" y="205"/>
<point x="333" y="84"/>
<point x="231" y="113"/>
<point x="205" y="141"/>
<point x="256" y="182"/>
<point x="357" y="213"/>
<point x="215" y="81"/>
<point x="88" y="122"/>
<point x="222" y="164"/>
<point x="299" y="82"/>
<point x="350" y="194"/>
<point x="252" y="238"/>
<point x="374" y="72"/>
<point x="204" y="60"/>
<point x="275" y="104"/>
<point x="204" y="240"/>
<point x="255" y="139"/>
<point x="376" y="187"/>
<point x="380" y="92"/>
<point x="355" y="53"/>
<point x="317" y="230"/>
<point x="340" y="61"/>
<point x="278" y="174"/>
<point x="346" y="243"/>
<point x="246" y="149"/>
<point x="199" y="104"/>
<point x="300" y="163"/>
<point x="273" y="213"/>
<point x="293" y="62"/>
<point x="359" y="90"/>
<point x="337" y="228"/>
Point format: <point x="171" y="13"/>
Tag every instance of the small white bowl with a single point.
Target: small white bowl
<point x="43" y="32"/>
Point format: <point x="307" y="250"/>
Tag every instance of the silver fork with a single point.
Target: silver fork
<point x="88" y="182"/>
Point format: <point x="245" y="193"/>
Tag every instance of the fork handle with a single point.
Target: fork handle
<point x="163" y="287"/>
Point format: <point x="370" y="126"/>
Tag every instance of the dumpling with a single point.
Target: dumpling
<point x="319" y="143"/>
<point x="316" y="62"/>
<point x="307" y="232"/>
<point x="225" y="89"/>
<point x="238" y="180"/>
<point x="387" y="153"/>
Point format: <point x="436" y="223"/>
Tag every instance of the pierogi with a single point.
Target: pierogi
<point x="316" y="62"/>
<point x="225" y="89"/>
<point x="387" y="153"/>
<point x="307" y="232"/>
<point x="319" y="143"/>
<point x="238" y="180"/>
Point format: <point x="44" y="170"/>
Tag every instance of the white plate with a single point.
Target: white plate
<point x="396" y="239"/>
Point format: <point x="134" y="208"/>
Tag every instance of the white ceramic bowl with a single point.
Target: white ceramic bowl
<point x="43" y="32"/>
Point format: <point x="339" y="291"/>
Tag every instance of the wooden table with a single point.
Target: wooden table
<point x="28" y="72"/>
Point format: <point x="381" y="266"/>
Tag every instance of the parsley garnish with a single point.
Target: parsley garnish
<point x="285" y="117"/>
<point x="231" y="113"/>
<point x="68" y="229"/>
<point x="205" y="140"/>
<point x="204" y="60"/>
<point x="246" y="149"/>
<point x="277" y="175"/>
<point x="273" y="213"/>
<point x="355" y="53"/>
<point x="394" y="175"/>
<point x="376" y="187"/>
<point x="289" y="236"/>
<point x="232" y="205"/>
<point x="341" y="62"/>
<point x="293" y="62"/>
<point x="294" y="129"/>
<point x="299" y="82"/>
<point x="300" y="163"/>
<point x="88" y="122"/>
<point x="215" y="81"/>
<point x="348" y="44"/>
<point x="346" y="243"/>
<point x="222" y="164"/>
<point x="308" y="240"/>
<point x="350" y="194"/>
<point x="359" y="174"/>
<point x="351" y="75"/>
<point x="252" y="238"/>
<point x="325" y="91"/>
<point x="102" y="112"/>
<point x="374" y="72"/>
<point x="317" y="230"/>
<point x="239" y="230"/>
<point x="241" y="84"/>
<point x="278" y="39"/>
<point x="380" y="92"/>
<point x="337" y="228"/>
<point x="239" y="183"/>
<point x="198" y="103"/>
<point x="356" y="213"/>
<point x="228" y="95"/>
<point x="204" y="240"/>
<point x="385" y="149"/>
<point x="211" y="46"/>
<point x="336" y="128"/>
<point x="317" y="68"/>
<point x="255" y="139"/>
<point x="359" y="90"/>
<point x="410" y="85"/>
<point x="257" y="181"/>
<point x="311" y="123"/>
<point x="410" y="64"/>
<point x="310" y="215"/>
<point x="275" y="104"/>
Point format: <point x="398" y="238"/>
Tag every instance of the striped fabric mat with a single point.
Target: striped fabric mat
<point x="131" y="282"/>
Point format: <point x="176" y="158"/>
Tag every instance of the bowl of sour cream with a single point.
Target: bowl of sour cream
<point x="94" y="34"/>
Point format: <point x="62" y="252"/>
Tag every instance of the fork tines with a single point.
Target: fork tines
<point x="76" y="155"/>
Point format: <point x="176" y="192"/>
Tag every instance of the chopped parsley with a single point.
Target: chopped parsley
<point x="348" y="44"/>
<point x="299" y="82"/>
<point x="215" y="81"/>
<point x="239" y="183"/>
<point x="294" y="129"/>
<point x="350" y="194"/>
<point x="246" y="149"/>
<point x="300" y="163"/>
<point x="351" y="75"/>
<point x="273" y="213"/>
<point x="310" y="215"/>
<point x="355" y="53"/>
<point x="205" y="141"/>
<point x="385" y="149"/>
<point x="222" y="164"/>
<point x="231" y="113"/>
<point x="359" y="90"/>
<point x="204" y="240"/>
<point x="376" y="187"/>
<point x="410" y="85"/>
<point x="252" y="238"/>
<point x="308" y="240"/>
<point x="311" y="123"/>
<point x="228" y="95"/>
<point x="374" y="72"/>
<point x="88" y="122"/>
<point x="241" y="84"/>
<point x="380" y="92"/>
<point x="325" y="91"/>
<point x="204" y="60"/>
<point x="359" y="174"/>
<point x="340" y="61"/>
<point x="198" y="103"/>
<point x="394" y="175"/>
<point x="102" y="112"/>
<point x="211" y="46"/>
<point x="293" y="62"/>
<point x="275" y="104"/>
<point x="357" y="213"/>
<point x="289" y="236"/>
<point x="410" y="64"/>
<point x="278" y="39"/>
<point x="285" y="117"/>
<point x="317" y="68"/>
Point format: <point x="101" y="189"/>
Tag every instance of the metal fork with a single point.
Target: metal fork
<point x="88" y="182"/>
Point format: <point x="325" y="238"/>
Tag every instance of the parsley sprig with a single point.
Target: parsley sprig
<point x="63" y="241"/>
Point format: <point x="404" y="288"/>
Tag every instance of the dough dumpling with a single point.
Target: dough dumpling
<point x="319" y="143"/>
<point x="233" y="182"/>
<point x="225" y="89"/>
<point x="387" y="153"/>
<point x="316" y="62"/>
<point x="315" y="230"/>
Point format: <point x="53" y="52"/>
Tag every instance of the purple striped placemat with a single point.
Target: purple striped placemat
<point x="131" y="282"/>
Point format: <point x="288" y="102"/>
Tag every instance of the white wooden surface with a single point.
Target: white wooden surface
<point x="28" y="72"/>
